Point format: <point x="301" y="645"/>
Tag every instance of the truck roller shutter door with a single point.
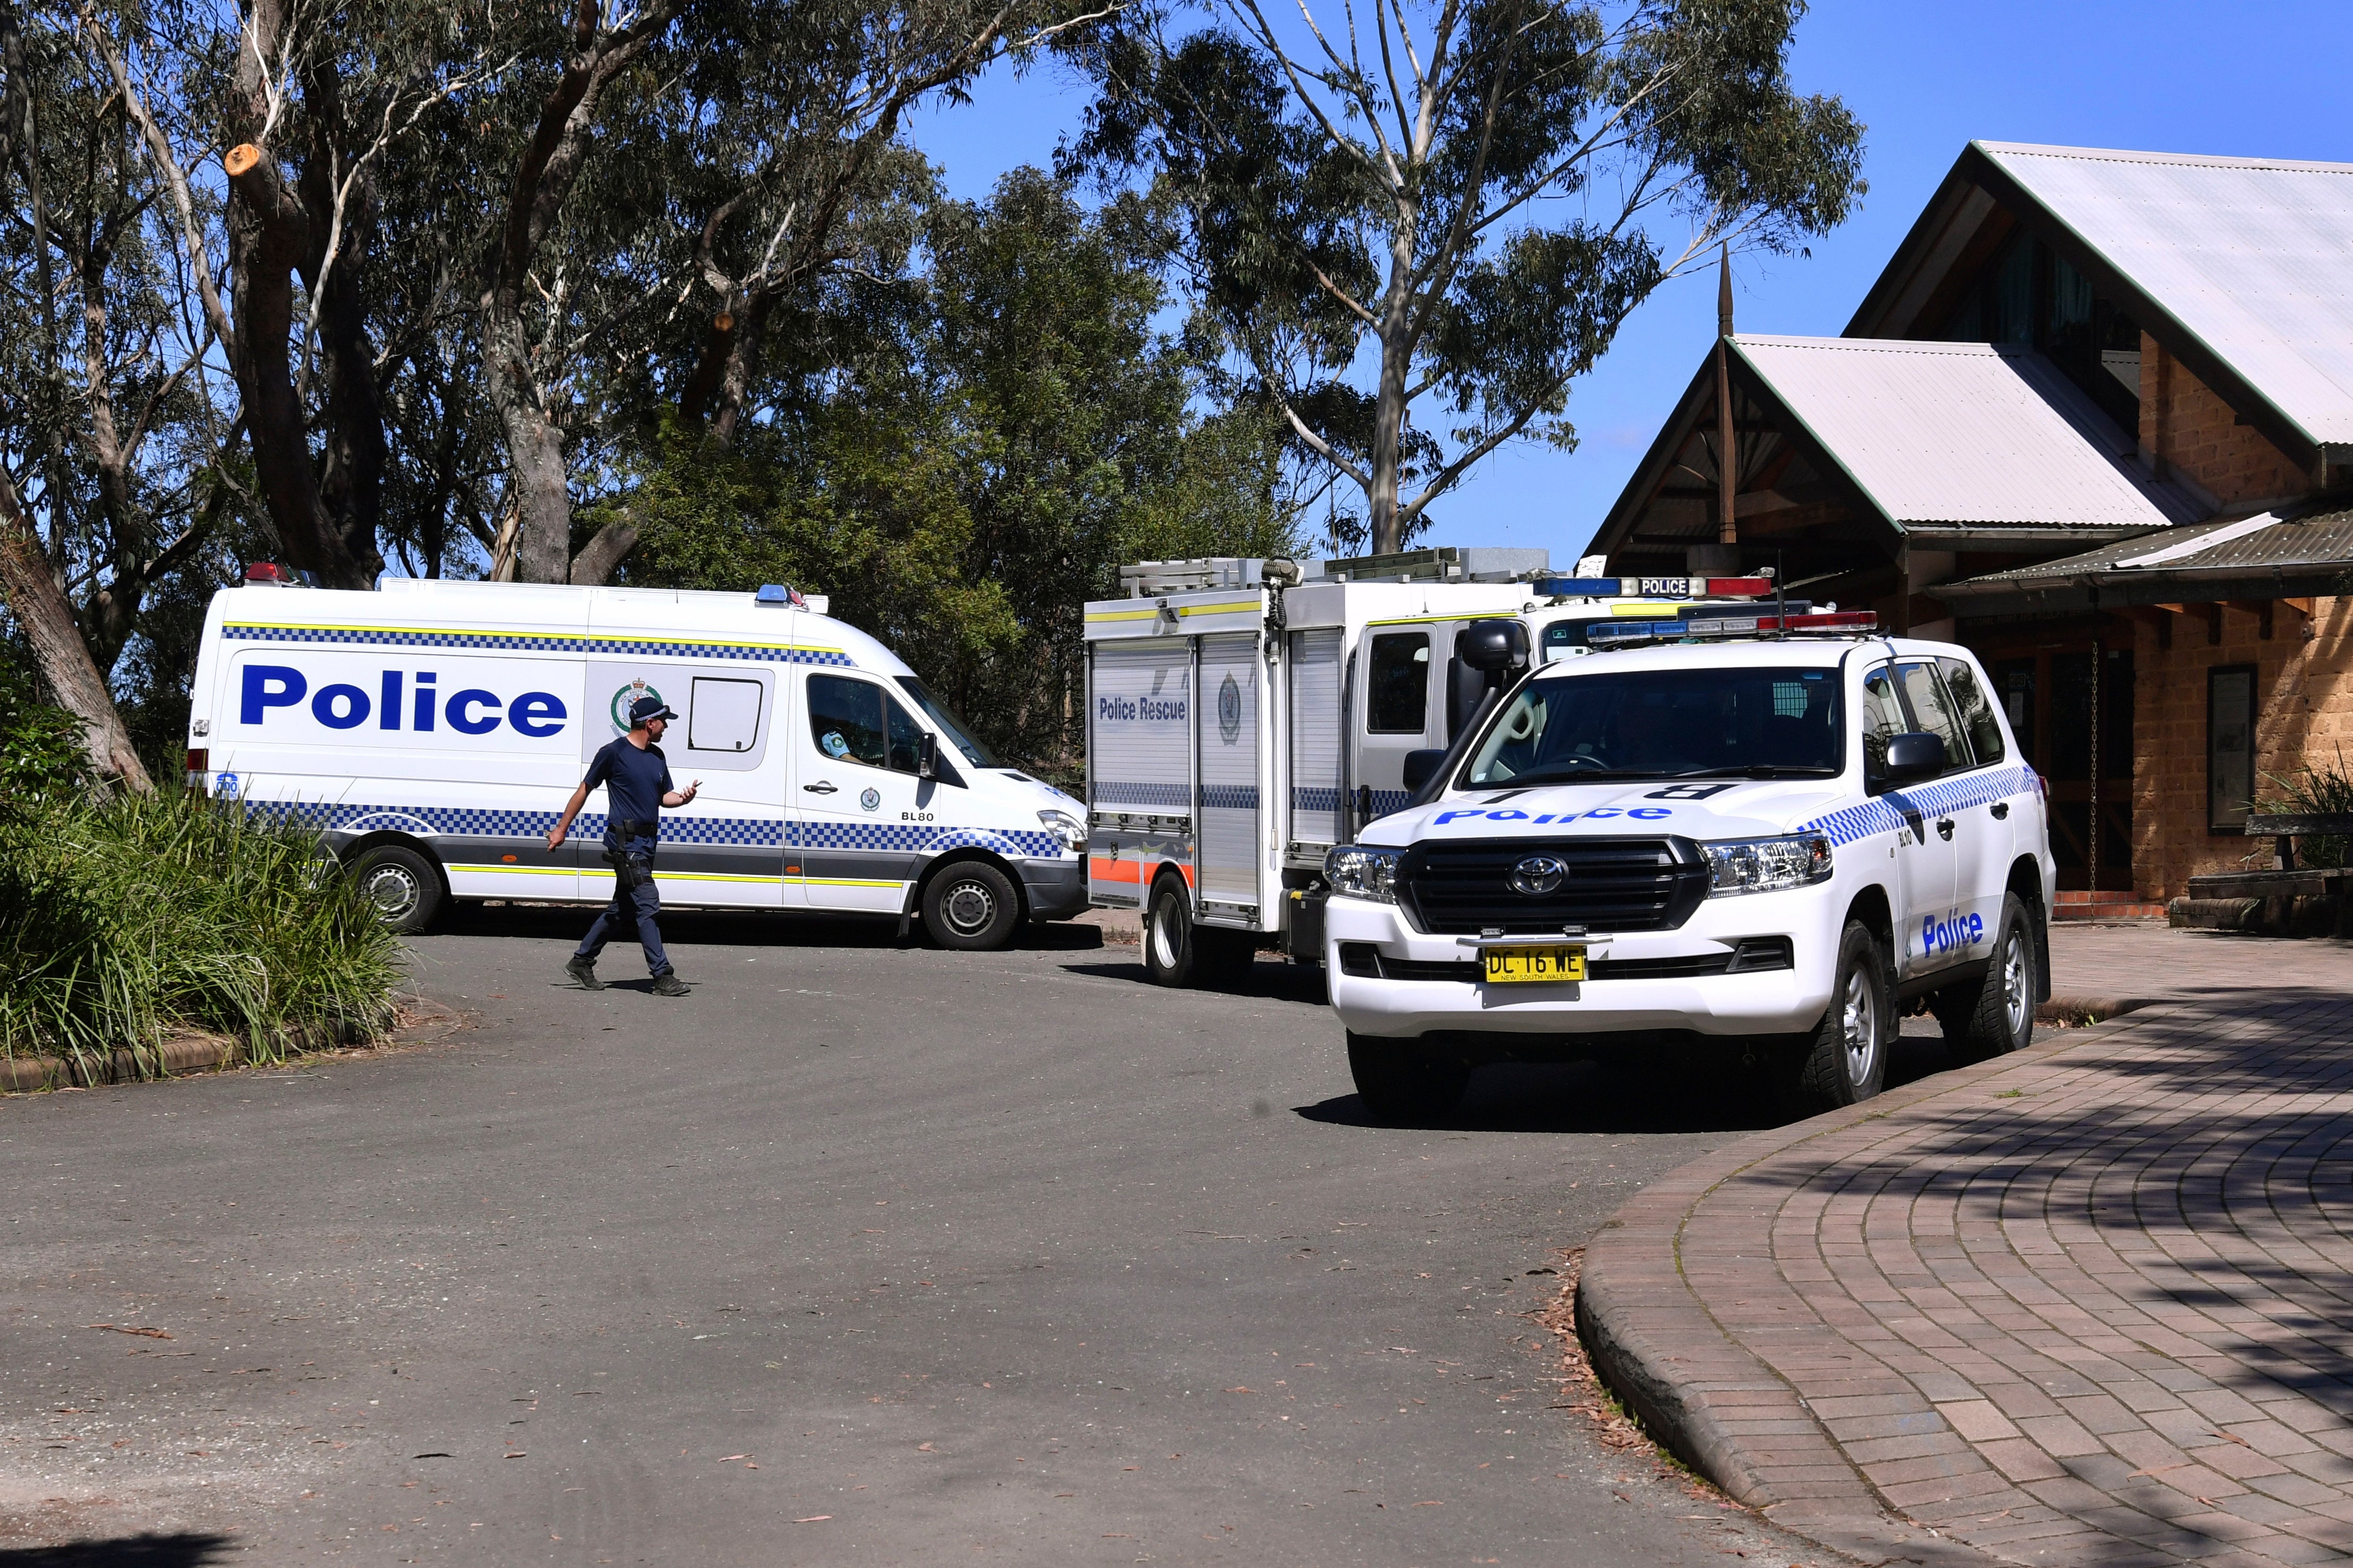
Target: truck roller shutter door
<point x="1229" y="831"/>
<point x="1316" y="737"/>
<point x="1140" y="732"/>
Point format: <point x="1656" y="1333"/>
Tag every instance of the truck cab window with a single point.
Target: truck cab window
<point x="1397" y="694"/>
<point x="846" y="720"/>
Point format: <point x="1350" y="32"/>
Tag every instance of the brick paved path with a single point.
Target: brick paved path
<point x="2092" y="1304"/>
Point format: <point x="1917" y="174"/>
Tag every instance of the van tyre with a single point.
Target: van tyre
<point x="1845" y="1059"/>
<point x="1398" y="1083"/>
<point x="1171" y="950"/>
<point x="1995" y="1016"/>
<point x="404" y="887"/>
<point x="971" y="907"/>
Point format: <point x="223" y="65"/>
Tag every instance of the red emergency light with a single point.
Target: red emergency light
<point x="267" y="571"/>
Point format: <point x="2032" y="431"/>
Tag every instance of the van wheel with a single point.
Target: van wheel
<point x="1398" y="1083"/>
<point x="1845" y="1059"/>
<point x="1995" y="1016"/>
<point x="402" y="886"/>
<point x="1170" y="954"/>
<point x="971" y="907"/>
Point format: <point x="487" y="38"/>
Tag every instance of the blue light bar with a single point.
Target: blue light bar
<point x="1579" y="587"/>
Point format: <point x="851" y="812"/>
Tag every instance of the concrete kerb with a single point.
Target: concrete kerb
<point x="1716" y="1404"/>
<point x="196" y="1052"/>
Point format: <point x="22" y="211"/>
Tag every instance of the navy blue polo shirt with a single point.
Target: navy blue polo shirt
<point x="634" y="780"/>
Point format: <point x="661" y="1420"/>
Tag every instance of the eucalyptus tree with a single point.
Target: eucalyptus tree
<point x="1459" y="197"/>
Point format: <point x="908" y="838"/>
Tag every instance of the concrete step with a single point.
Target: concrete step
<point x="2077" y="904"/>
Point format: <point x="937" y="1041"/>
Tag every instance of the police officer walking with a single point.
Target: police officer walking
<point x="636" y="783"/>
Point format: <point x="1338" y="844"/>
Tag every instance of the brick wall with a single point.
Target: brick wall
<point x="2190" y="429"/>
<point x="2303" y="692"/>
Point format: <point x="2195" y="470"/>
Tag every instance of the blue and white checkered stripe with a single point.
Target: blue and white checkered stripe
<point x="916" y="838"/>
<point x="1112" y="791"/>
<point x="1229" y="797"/>
<point x="582" y="643"/>
<point x="1884" y="814"/>
<point x="1310" y="798"/>
<point x="757" y="832"/>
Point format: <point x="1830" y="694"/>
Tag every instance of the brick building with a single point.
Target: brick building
<point x="2094" y="420"/>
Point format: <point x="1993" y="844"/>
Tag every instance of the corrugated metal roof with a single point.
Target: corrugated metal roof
<point x="1962" y="435"/>
<point x="2254" y="255"/>
<point x="2316" y="542"/>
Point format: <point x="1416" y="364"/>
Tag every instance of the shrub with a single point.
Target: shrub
<point x="122" y="917"/>
<point x="2317" y="791"/>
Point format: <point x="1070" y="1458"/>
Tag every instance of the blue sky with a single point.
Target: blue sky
<point x="2251" y="78"/>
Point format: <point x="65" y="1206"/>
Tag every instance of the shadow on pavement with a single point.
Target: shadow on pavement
<point x="739" y="927"/>
<point x="176" y="1551"/>
<point x="1581" y="1097"/>
<point x="2212" y="1152"/>
<point x="1271" y="980"/>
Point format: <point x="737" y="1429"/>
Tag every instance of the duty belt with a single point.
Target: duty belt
<point x="622" y="829"/>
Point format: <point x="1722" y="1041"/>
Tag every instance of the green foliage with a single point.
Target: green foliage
<point x="123" y="917"/>
<point x="41" y="754"/>
<point x="2316" y="791"/>
<point x="1460" y="214"/>
<point x="968" y="482"/>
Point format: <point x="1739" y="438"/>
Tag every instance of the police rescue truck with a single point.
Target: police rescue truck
<point x="1768" y="833"/>
<point x="1245" y="716"/>
<point x="432" y="731"/>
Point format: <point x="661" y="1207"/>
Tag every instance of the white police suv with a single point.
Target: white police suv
<point x="1776" y="843"/>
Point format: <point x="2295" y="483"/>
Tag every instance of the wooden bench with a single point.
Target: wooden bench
<point x="2289" y="880"/>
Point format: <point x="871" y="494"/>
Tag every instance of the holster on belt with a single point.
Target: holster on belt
<point x="631" y="868"/>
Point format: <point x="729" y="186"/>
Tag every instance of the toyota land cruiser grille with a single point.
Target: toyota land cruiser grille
<point x="1603" y="884"/>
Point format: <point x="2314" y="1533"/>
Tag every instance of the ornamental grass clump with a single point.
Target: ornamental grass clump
<point x="126" y="917"/>
<point x="2317" y="791"/>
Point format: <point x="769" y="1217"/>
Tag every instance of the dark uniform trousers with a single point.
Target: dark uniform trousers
<point x="641" y="903"/>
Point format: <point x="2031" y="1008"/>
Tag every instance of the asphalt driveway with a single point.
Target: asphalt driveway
<point x="860" y="1253"/>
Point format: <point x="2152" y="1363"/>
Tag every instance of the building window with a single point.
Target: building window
<point x="2230" y="746"/>
<point x="2030" y="295"/>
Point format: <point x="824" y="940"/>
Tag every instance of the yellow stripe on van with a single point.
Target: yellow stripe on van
<point x="1148" y="612"/>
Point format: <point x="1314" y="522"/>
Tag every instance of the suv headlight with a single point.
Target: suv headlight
<point x="1358" y="872"/>
<point x="1766" y="865"/>
<point x="1068" y="829"/>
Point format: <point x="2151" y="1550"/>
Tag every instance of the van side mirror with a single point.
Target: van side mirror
<point x="1420" y="767"/>
<point x="927" y="756"/>
<point x="1913" y="755"/>
<point x="1494" y="647"/>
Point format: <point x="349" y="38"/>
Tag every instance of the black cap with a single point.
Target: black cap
<point x="646" y="708"/>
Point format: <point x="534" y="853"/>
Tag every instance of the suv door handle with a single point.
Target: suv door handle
<point x="820" y="788"/>
<point x="1944" y="829"/>
<point x="2000" y="809"/>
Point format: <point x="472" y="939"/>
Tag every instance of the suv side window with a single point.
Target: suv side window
<point x="1933" y="708"/>
<point x="1397" y="694"/>
<point x="1883" y="716"/>
<point x="1976" y="710"/>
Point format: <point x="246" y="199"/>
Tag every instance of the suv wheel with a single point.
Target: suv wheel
<point x="1845" y="1059"/>
<point x="1398" y="1083"/>
<point x="402" y="886"/>
<point x="1995" y="1016"/>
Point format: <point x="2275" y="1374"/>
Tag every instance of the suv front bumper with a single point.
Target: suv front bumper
<point x="1758" y="1002"/>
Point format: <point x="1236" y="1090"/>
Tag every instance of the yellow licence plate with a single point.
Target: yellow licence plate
<point x="1523" y="965"/>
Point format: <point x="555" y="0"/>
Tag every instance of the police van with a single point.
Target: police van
<point x="1244" y="716"/>
<point x="1768" y="833"/>
<point x="432" y="731"/>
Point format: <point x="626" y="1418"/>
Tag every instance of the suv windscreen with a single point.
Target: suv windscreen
<point x="1665" y="723"/>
